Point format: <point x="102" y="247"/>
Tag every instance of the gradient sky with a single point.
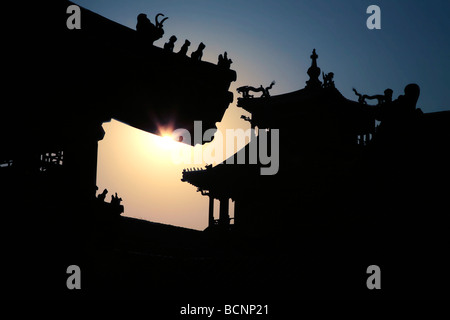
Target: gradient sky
<point x="271" y="40"/>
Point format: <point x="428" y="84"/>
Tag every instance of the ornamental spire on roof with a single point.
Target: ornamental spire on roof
<point x="314" y="73"/>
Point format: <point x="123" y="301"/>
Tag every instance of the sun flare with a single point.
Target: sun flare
<point x="164" y="138"/>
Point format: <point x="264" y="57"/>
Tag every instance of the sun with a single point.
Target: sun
<point x="166" y="141"/>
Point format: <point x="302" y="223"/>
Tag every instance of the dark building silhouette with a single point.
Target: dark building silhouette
<point x="349" y="191"/>
<point x="62" y="85"/>
<point x="106" y="73"/>
<point x="326" y="152"/>
<point x="322" y="135"/>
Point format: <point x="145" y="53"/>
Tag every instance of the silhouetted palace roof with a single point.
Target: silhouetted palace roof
<point x="276" y="112"/>
<point x="281" y="110"/>
<point x="320" y="102"/>
<point x="319" y="128"/>
<point x="317" y="117"/>
<point x="221" y="179"/>
<point x="103" y="70"/>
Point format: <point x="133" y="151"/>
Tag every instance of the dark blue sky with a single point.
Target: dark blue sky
<point x="272" y="40"/>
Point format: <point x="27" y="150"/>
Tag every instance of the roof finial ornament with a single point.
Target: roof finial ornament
<point x="314" y="73"/>
<point x="328" y="80"/>
<point x="147" y="30"/>
<point x="314" y="57"/>
<point x="246" y="89"/>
